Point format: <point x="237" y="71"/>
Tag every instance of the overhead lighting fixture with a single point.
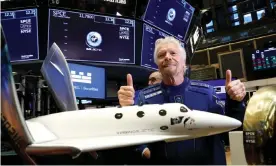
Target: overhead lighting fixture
<point x="206" y="16"/>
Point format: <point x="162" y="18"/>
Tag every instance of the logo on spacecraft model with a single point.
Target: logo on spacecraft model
<point x="171" y="14"/>
<point x="93" y="39"/>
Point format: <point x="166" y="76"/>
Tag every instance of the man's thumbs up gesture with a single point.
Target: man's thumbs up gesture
<point x="235" y="89"/>
<point x="126" y="93"/>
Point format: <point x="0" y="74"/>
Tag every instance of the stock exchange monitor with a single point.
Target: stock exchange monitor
<point x="150" y="35"/>
<point x="88" y="81"/>
<point x="264" y="59"/>
<point x="21" y="31"/>
<point x="260" y="64"/>
<point x="91" y="37"/>
<point x="172" y="16"/>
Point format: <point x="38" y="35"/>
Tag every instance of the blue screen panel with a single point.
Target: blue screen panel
<point x="233" y="9"/>
<point x="247" y="18"/>
<point x="210" y="24"/>
<point x="88" y="81"/>
<point x="91" y="37"/>
<point x="21" y="31"/>
<point x="264" y="59"/>
<point x="260" y="13"/>
<point x="150" y="35"/>
<point x="172" y="16"/>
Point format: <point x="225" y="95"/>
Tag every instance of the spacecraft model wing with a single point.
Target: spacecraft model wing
<point x="80" y="145"/>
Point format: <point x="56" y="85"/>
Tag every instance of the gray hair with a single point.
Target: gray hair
<point x="168" y="39"/>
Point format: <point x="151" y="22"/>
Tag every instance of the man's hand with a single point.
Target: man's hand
<point x="235" y="89"/>
<point x="146" y="153"/>
<point x="126" y="93"/>
<point x="94" y="155"/>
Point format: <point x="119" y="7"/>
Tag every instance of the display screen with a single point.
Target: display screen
<point x="260" y="14"/>
<point x="21" y="31"/>
<point x="94" y="38"/>
<point x="226" y="39"/>
<point x="194" y="38"/>
<point x="247" y="18"/>
<point x="172" y="16"/>
<point x="232" y="9"/>
<point x="88" y="81"/>
<point x="84" y="101"/>
<point x="124" y="8"/>
<point x="150" y="35"/>
<point x="264" y="59"/>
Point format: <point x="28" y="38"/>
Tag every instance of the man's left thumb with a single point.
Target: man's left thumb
<point x="228" y="77"/>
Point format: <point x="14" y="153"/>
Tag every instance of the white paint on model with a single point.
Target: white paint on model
<point x="90" y="130"/>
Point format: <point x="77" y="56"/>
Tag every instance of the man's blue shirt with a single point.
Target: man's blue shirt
<point x="195" y="95"/>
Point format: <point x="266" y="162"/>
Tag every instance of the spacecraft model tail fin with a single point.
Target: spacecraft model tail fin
<point x="56" y="72"/>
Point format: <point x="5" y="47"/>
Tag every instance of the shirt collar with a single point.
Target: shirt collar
<point x="177" y="87"/>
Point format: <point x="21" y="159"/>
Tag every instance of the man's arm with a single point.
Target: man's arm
<point x="235" y="93"/>
<point x="231" y="108"/>
<point x="235" y="109"/>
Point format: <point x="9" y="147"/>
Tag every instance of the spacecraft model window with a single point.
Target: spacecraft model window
<point x="118" y="115"/>
<point x="164" y="127"/>
<point x="183" y="109"/>
<point x="140" y="114"/>
<point x="163" y="112"/>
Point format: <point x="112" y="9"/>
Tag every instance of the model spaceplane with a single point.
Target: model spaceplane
<point x="76" y="131"/>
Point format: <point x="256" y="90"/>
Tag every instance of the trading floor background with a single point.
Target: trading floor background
<point x="104" y="40"/>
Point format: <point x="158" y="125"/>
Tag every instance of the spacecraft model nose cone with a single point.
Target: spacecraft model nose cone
<point x="225" y="123"/>
<point x="216" y="123"/>
<point x="231" y="123"/>
<point x="236" y="123"/>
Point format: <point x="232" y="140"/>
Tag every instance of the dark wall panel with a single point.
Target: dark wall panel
<point x="213" y="52"/>
<point x="232" y="60"/>
<point x="247" y="49"/>
<point x="200" y="58"/>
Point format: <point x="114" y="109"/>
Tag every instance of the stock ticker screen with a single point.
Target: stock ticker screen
<point x="21" y="31"/>
<point x="172" y="16"/>
<point x="88" y="81"/>
<point x="264" y="59"/>
<point x="94" y="38"/>
<point x="150" y="35"/>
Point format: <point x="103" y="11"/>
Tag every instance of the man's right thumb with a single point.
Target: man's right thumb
<point x="129" y="80"/>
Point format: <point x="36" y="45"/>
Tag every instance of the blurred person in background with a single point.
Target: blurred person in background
<point x="155" y="78"/>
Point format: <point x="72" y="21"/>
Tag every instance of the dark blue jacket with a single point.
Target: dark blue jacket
<point x="195" y="95"/>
